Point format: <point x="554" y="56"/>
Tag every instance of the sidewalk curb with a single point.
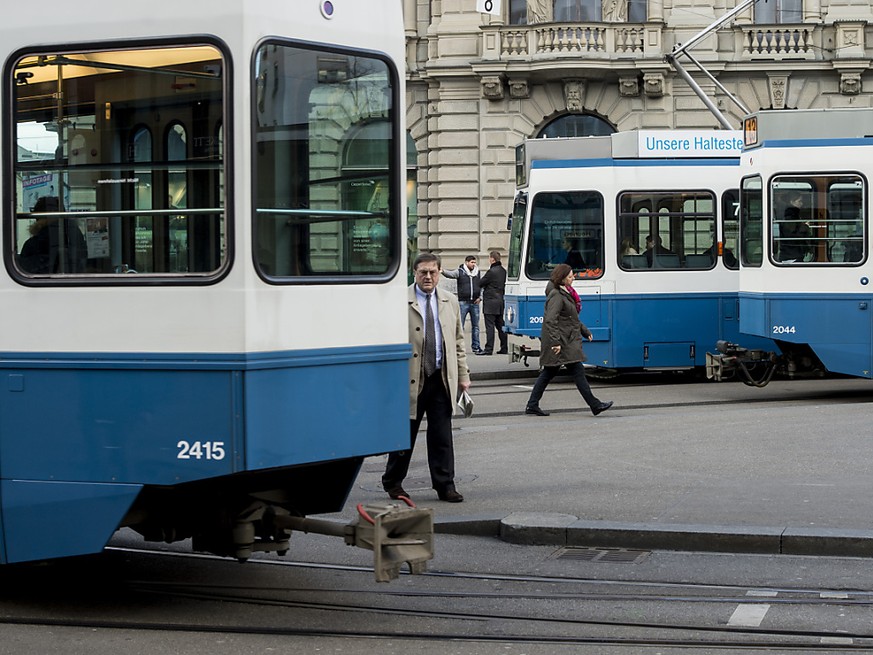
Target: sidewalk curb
<point x="544" y="529"/>
<point x="504" y="374"/>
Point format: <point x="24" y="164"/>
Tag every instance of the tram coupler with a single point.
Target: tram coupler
<point x="733" y="360"/>
<point x="519" y="353"/>
<point x="395" y="534"/>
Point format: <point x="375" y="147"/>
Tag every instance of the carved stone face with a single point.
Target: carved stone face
<point x="573" y="96"/>
<point x="850" y="85"/>
<point x="492" y="88"/>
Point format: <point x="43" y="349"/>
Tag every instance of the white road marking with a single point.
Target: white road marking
<point x="761" y="593"/>
<point x="749" y="616"/>
<point x="842" y="641"/>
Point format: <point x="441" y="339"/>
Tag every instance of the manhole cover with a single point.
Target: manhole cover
<point x="614" y="555"/>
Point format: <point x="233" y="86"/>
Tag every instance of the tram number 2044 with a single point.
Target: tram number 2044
<point x="784" y="329"/>
<point x="200" y="450"/>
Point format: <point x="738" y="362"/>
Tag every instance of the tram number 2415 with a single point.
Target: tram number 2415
<point x="200" y="450"/>
<point x="784" y="329"/>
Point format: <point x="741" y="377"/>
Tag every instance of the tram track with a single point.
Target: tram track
<point x="494" y="393"/>
<point x="540" y="610"/>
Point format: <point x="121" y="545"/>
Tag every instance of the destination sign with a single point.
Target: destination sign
<point x="690" y="143"/>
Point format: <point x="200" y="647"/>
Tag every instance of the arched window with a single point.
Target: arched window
<point x="411" y="202"/>
<point x="177" y="198"/>
<point x="142" y="227"/>
<point x="365" y="166"/>
<point x="576" y="125"/>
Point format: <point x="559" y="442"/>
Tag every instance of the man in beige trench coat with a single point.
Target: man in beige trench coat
<point x="438" y="373"/>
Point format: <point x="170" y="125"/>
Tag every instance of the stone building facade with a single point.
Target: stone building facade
<point x="478" y="85"/>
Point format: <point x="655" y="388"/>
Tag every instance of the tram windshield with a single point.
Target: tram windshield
<point x="325" y="161"/>
<point x="565" y="228"/>
<point x="119" y="163"/>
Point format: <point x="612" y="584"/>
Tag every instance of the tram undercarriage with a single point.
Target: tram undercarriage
<point x="257" y="512"/>
<point x="756" y="368"/>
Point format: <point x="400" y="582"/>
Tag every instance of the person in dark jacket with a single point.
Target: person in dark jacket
<point x="574" y="257"/>
<point x="469" y="295"/>
<point x="493" y="285"/>
<point x="561" y="342"/>
<point x="55" y="246"/>
<point x="655" y="247"/>
<point x="794" y="233"/>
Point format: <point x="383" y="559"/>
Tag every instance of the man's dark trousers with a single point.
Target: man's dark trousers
<point x="435" y="403"/>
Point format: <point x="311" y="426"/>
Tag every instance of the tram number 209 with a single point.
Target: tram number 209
<point x="200" y="450"/>
<point x="784" y="329"/>
<point x="535" y="320"/>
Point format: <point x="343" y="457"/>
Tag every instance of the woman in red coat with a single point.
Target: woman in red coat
<point x="561" y="342"/>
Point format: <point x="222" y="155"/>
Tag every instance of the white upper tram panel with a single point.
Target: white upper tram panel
<point x="805" y="201"/>
<point x="609" y="193"/>
<point x="632" y="145"/>
<point x="304" y="279"/>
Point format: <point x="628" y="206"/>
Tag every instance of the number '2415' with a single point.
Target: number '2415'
<point x="200" y="450"/>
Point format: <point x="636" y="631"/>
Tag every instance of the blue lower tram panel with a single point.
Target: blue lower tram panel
<point x="837" y="329"/>
<point x="633" y="332"/>
<point x="180" y="447"/>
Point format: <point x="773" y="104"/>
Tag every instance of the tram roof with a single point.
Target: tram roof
<point x="807" y="124"/>
<point x="637" y="144"/>
<point x="642" y="145"/>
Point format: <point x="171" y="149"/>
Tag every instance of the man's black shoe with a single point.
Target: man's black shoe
<point x="398" y="492"/>
<point x="451" y="496"/>
<point x="483" y="352"/>
<point x="502" y="352"/>
<point x="536" y="411"/>
<point x="602" y="407"/>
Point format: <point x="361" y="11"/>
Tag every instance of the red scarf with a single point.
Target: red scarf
<point x="575" y="297"/>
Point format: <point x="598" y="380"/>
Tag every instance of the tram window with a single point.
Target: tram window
<point x="326" y="157"/>
<point x="817" y="220"/>
<point x="846" y="233"/>
<point x="516" y="233"/>
<point x="678" y="234"/>
<point x="751" y="221"/>
<point x="565" y="228"/>
<point x="730" y="228"/>
<point x="97" y="179"/>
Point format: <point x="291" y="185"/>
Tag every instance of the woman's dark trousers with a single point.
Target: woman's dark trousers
<point x="576" y="371"/>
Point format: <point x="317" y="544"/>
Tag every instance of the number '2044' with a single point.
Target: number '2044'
<point x="784" y="329"/>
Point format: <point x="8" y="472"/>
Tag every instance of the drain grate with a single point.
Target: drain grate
<point x="614" y="555"/>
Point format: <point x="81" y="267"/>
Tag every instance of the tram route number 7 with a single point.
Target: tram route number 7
<point x="489" y="7"/>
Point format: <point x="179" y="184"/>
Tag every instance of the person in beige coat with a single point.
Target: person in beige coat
<point x="435" y="381"/>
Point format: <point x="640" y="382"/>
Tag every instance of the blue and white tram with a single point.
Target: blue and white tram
<point x="805" y="246"/>
<point x="204" y="294"/>
<point x="596" y="203"/>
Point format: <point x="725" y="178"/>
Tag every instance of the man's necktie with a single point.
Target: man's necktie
<point x="429" y="340"/>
